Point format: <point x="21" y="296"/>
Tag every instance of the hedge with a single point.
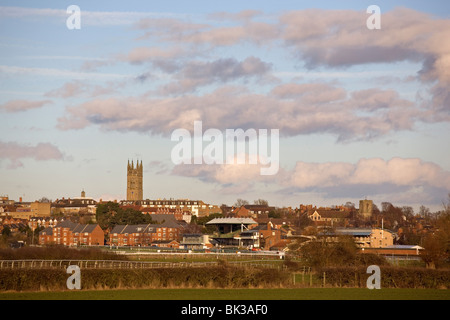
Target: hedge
<point x="207" y="277"/>
<point x="391" y="277"/>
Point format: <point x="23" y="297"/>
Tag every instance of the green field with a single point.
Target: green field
<point x="235" y="294"/>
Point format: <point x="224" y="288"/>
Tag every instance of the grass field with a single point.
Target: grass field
<point x="235" y="294"/>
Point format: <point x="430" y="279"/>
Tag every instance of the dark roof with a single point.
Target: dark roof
<point x="136" y="228"/>
<point x="47" y="231"/>
<point x="76" y="227"/>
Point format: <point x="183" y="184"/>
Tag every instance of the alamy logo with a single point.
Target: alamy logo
<point x="74" y="281"/>
<point x="74" y="20"/>
<point x="373" y="22"/>
<point x="374" y="280"/>
<point x="231" y="148"/>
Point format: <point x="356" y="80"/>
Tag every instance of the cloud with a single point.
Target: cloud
<point x="195" y="74"/>
<point x="402" y="179"/>
<point x="375" y="171"/>
<point x="23" y="105"/>
<point x="330" y="38"/>
<point x="59" y="73"/>
<point x="89" y="18"/>
<point x="294" y="109"/>
<point x="230" y="178"/>
<point x="15" y="152"/>
<point x="69" y="89"/>
<point x="140" y="55"/>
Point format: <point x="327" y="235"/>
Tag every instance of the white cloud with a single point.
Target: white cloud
<point x="16" y="152"/>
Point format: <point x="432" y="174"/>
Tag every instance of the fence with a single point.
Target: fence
<point x="95" y="264"/>
<point x="120" y="264"/>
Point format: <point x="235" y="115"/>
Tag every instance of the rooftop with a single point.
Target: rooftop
<point x="232" y="221"/>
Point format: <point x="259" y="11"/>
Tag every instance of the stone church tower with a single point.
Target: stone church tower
<point x="134" y="181"/>
<point x="365" y="209"/>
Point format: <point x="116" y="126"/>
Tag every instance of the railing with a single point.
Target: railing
<point x="120" y="264"/>
<point x="96" y="264"/>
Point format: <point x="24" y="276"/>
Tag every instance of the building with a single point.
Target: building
<point x="135" y="189"/>
<point x="180" y="215"/>
<point x="329" y="217"/>
<point x="142" y="235"/>
<point x="13" y="224"/>
<point x="38" y="222"/>
<point x="229" y="231"/>
<point x="72" y="234"/>
<point x="365" y="209"/>
<point x="195" y="241"/>
<point x="249" y="211"/>
<point x="40" y="209"/>
<point x="4" y="200"/>
<point x="363" y="237"/>
<point x="75" y="205"/>
<point x="263" y="236"/>
<point x="196" y="207"/>
<point x="397" y="252"/>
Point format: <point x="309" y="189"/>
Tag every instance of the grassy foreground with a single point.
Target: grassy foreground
<point x="235" y="294"/>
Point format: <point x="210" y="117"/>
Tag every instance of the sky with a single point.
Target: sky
<point x="362" y="113"/>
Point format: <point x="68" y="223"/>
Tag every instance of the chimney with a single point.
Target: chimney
<point x="20" y="199"/>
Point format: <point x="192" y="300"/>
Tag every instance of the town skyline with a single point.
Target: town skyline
<point x="361" y="113"/>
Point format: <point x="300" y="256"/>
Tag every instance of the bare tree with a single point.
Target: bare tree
<point x="240" y="202"/>
<point x="261" y="202"/>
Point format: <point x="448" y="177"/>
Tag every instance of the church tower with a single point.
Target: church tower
<point x="365" y="208"/>
<point x="134" y="181"/>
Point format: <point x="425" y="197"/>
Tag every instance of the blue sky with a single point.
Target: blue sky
<point x="361" y="113"/>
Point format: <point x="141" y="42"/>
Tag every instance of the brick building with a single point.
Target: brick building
<point x="145" y="234"/>
<point x="72" y="234"/>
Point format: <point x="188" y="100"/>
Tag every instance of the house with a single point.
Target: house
<point x="35" y="222"/>
<point x="72" y="234"/>
<point x="75" y="205"/>
<point x="250" y="211"/>
<point x="196" y="207"/>
<point x="329" y="216"/>
<point x="180" y="214"/>
<point x="13" y="224"/>
<point x="167" y="229"/>
<point x="171" y="244"/>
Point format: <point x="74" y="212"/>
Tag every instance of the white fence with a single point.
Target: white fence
<point x="119" y="264"/>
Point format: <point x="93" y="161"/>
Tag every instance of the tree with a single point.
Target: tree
<point x="111" y="214"/>
<point x="437" y="244"/>
<point x="6" y="232"/>
<point x="240" y="202"/>
<point x="424" y="212"/>
<point x="261" y="202"/>
<point x="323" y="253"/>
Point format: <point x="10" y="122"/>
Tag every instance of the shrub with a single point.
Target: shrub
<point x="205" y="277"/>
<point x="391" y="277"/>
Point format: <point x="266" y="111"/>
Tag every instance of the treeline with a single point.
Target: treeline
<point x="391" y="277"/>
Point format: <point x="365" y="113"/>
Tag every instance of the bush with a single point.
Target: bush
<point x="206" y="277"/>
<point x="391" y="277"/>
<point x="56" y="252"/>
